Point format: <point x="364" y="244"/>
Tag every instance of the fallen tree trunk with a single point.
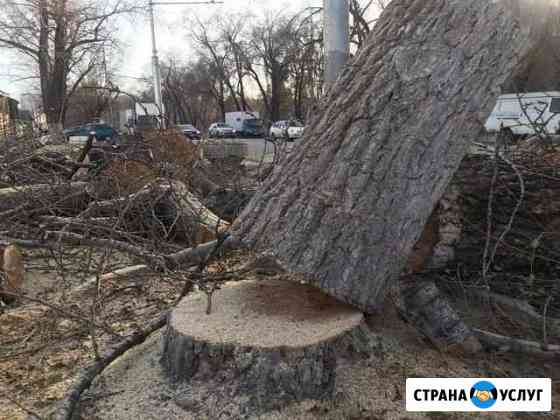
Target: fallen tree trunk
<point x="44" y="197"/>
<point x="348" y="205"/>
<point x="165" y="208"/>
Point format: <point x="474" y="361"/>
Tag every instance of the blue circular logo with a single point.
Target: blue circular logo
<point x="484" y="394"/>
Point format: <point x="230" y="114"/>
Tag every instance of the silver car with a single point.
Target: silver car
<point x="220" y="129"/>
<point x="290" y="129"/>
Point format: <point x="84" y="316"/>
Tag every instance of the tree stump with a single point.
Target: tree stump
<point x="273" y="341"/>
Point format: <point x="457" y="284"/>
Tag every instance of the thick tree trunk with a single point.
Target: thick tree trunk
<point x="351" y="201"/>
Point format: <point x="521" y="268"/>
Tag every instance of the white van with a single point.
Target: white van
<point x="245" y="123"/>
<point x="519" y="112"/>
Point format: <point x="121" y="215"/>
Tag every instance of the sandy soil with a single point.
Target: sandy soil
<point x="41" y="352"/>
<point x="41" y="349"/>
<point x="135" y="387"/>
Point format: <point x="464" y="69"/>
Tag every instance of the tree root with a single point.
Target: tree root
<point x="420" y="302"/>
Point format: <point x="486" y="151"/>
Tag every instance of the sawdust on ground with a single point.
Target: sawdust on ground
<point x="135" y="387"/>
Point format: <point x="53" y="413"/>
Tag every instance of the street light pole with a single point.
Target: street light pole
<point x="155" y="69"/>
<point x="155" y="60"/>
<point x="336" y="35"/>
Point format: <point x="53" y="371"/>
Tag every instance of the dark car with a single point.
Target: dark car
<point x="252" y="127"/>
<point x="102" y="132"/>
<point x="190" y="131"/>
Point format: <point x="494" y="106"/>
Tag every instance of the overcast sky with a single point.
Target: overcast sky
<point x="134" y="36"/>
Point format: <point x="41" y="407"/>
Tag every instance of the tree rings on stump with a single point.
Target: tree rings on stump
<point x="273" y="341"/>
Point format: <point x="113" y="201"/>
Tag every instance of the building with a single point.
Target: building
<point x="32" y="102"/>
<point x="8" y="115"/>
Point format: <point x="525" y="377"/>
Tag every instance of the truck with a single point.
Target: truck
<point x="144" y="116"/>
<point x="245" y="123"/>
<point x="521" y="113"/>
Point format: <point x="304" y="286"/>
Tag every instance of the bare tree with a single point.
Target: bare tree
<point x="272" y="52"/>
<point x="217" y="54"/>
<point x="361" y="22"/>
<point x="192" y="93"/>
<point x="88" y="103"/>
<point x="306" y="68"/>
<point x="63" y="39"/>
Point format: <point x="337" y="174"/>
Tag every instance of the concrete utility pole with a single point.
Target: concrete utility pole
<point x="336" y="36"/>
<point x="155" y="60"/>
<point x="155" y="69"/>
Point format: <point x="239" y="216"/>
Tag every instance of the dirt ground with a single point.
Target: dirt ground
<point x="135" y="386"/>
<point x="41" y="348"/>
<point x="41" y="351"/>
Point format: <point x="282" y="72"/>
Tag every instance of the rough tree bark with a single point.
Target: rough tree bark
<point x="349" y="204"/>
<point x="297" y="338"/>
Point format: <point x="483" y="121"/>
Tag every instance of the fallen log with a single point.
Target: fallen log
<point x="520" y="311"/>
<point x="191" y="257"/>
<point x="501" y="343"/>
<point x="117" y="205"/>
<point x="45" y="197"/>
<point x="200" y="181"/>
<point x="186" y="258"/>
<point x="154" y="259"/>
<point x="351" y="200"/>
<point x="184" y="208"/>
<point x="165" y="208"/>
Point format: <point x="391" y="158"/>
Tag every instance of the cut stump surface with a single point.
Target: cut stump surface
<point x="272" y="341"/>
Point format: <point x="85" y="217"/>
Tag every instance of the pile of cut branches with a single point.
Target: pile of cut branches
<point x="111" y="238"/>
<point x="509" y="252"/>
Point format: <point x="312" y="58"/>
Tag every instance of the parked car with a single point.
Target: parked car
<point x="288" y="129"/>
<point x="278" y="129"/>
<point x="295" y="129"/>
<point x="245" y="123"/>
<point x="101" y="132"/>
<point x="252" y="128"/>
<point x="190" y="131"/>
<point x="220" y="129"/>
